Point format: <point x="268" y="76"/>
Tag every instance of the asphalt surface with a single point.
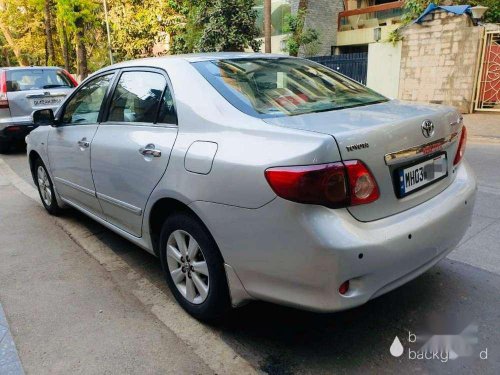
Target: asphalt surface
<point x="461" y="291"/>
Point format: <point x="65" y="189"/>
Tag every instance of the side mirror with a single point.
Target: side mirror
<point x="43" y="117"/>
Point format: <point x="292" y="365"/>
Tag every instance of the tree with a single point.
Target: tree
<point x="299" y="36"/>
<point x="228" y="26"/>
<point x="267" y="26"/>
<point x="51" y="55"/>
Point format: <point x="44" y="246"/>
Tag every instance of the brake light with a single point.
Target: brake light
<point x="461" y="146"/>
<point x="333" y="185"/>
<point x="70" y="77"/>
<point x="4" y="102"/>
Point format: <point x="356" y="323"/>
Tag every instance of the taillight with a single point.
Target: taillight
<point x="332" y="185"/>
<point x="4" y="102"/>
<point x="70" y="77"/>
<point x="461" y="146"/>
<point x="362" y="184"/>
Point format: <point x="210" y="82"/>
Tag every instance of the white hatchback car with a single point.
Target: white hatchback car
<point x="259" y="177"/>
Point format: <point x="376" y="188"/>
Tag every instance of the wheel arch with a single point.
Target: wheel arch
<point x="160" y="211"/>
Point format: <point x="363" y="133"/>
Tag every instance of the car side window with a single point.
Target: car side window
<point x="136" y="97"/>
<point x="84" y="107"/>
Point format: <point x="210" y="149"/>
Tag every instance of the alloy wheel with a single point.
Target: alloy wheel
<point x="44" y="186"/>
<point x="187" y="266"/>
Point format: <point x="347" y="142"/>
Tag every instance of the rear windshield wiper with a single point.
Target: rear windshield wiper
<point x="54" y="86"/>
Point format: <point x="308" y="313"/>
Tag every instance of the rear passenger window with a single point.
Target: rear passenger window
<point x="167" y="114"/>
<point x="136" y="97"/>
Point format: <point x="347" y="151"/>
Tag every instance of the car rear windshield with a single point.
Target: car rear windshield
<point x="271" y="87"/>
<point x="37" y="79"/>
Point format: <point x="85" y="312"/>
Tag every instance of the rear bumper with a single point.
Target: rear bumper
<point x="299" y="255"/>
<point x="15" y="129"/>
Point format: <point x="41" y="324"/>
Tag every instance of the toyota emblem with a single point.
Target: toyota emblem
<point x="427" y="128"/>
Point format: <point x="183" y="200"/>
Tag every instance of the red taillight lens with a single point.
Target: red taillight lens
<point x="363" y="187"/>
<point x="461" y="146"/>
<point x="322" y="184"/>
<point x="4" y="102"/>
<point x="332" y="185"/>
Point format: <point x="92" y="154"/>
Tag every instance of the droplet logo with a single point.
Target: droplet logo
<point x="396" y="347"/>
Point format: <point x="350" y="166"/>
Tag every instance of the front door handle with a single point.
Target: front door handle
<point x="150" y="150"/>
<point x="83" y="143"/>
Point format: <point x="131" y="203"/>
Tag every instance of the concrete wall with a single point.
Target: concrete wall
<point x="439" y="60"/>
<point x="384" y="63"/>
<point x="322" y="15"/>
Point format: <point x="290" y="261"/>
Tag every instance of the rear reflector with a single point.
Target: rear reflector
<point x="333" y="185"/>
<point x="13" y="128"/>
<point x="344" y="287"/>
<point x="461" y="146"/>
<point x="4" y="102"/>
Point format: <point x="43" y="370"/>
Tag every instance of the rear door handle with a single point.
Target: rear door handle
<point x="150" y="150"/>
<point x="83" y="143"/>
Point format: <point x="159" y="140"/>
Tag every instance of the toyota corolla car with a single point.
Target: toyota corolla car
<point x="23" y="90"/>
<point x="259" y="177"/>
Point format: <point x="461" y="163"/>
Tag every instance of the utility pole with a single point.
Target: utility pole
<point x="107" y="31"/>
<point x="267" y="26"/>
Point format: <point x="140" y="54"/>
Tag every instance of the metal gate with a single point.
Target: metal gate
<point x="488" y="84"/>
<point x="353" y="65"/>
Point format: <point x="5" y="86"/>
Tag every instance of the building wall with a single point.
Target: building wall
<point x="439" y="60"/>
<point x="384" y="63"/>
<point x="322" y="15"/>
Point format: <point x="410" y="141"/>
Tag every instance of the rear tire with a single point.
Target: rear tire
<point x="200" y="284"/>
<point x="46" y="188"/>
<point x="4" y="147"/>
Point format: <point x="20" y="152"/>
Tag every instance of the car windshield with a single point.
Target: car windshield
<point x="269" y="87"/>
<point x="36" y="79"/>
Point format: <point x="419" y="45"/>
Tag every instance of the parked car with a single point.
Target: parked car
<point x="259" y="177"/>
<point x="24" y="90"/>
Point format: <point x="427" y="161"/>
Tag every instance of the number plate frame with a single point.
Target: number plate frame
<point x="400" y="193"/>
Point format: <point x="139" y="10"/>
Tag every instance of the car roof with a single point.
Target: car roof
<point x="30" y="68"/>
<point x="190" y="58"/>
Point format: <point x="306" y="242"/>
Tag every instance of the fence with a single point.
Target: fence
<point x="353" y="65"/>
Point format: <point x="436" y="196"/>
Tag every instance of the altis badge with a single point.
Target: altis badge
<point x="357" y="146"/>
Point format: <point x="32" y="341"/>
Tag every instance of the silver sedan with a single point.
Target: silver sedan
<point x="259" y="177"/>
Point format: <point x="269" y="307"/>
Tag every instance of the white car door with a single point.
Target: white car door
<point x="69" y="144"/>
<point x="131" y="149"/>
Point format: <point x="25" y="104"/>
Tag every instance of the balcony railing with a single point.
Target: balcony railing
<point x="372" y="16"/>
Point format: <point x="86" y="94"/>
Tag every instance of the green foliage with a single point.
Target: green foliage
<point x="413" y="8"/>
<point x="492" y="14"/>
<point x="394" y="37"/>
<point x="227" y="26"/>
<point x="300" y="37"/>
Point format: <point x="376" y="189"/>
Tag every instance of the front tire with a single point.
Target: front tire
<point x="46" y="188"/>
<point x="193" y="267"/>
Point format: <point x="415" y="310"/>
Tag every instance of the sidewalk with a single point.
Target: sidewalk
<point x="483" y="127"/>
<point x="66" y="314"/>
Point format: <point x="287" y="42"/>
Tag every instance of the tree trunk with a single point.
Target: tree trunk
<point x="81" y="56"/>
<point x="267" y="26"/>
<point x="48" y="33"/>
<point x="12" y="44"/>
<point x="65" y="47"/>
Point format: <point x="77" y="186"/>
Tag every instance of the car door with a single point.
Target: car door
<point x="131" y="149"/>
<point x="69" y="144"/>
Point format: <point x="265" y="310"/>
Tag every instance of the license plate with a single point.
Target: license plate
<point x="422" y="174"/>
<point x="49" y="102"/>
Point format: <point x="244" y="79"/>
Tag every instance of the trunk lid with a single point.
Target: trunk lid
<point x="386" y="137"/>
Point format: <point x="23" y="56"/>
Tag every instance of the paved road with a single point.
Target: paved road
<point x="460" y="291"/>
